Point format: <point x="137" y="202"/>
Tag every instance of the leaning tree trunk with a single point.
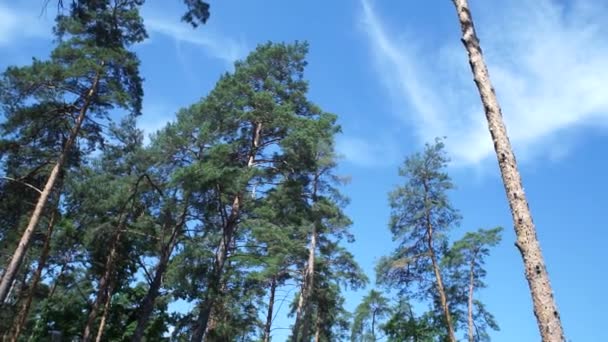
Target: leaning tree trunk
<point x="442" y="296"/>
<point x="229" y="230"/>
<point x="104" y="316"/>
<point x="17" y="258"/>
<point x="19" y="322"/>
<point x="545" y="308"/>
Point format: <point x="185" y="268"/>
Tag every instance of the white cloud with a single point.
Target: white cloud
<point x="549" y="66"/>
<point x="218" y="46"/>
<point x="19" y="23"/>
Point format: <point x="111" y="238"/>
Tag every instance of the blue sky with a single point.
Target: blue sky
<point x="397" y="75"/>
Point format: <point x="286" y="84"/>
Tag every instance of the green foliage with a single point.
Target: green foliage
<point x="420" y="209"/>
<point x="421" y="219"/>
<point x="222" y="203"/>
<point x="374" y="307"/>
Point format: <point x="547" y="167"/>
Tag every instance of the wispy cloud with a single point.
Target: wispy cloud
<point x="20" y="23"/>
<point x="216" y="45"/>
<point x="549" y="66"/>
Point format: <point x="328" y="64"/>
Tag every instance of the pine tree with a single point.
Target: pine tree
<point x="90" y="72"/>
<point x="421" y="216"/>
<point x="465" y="261"/>
<point x="368" y="315"/>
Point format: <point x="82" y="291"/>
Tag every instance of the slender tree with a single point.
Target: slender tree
<point x="465" y="261"/>
<point x="421" y="216"/>
<point x="368" y="315"/>
<point x="545" y="308"/>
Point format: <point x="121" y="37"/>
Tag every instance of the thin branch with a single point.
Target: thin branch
<point x="143" y="266"/>
<point x="23" y="183"/>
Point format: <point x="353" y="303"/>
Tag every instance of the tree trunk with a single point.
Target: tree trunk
<point x="17" y="258"/>
<point x="273" y="288"/>
<point x="470" y="304"/>
<point x="443" y="298"/>
<point x="545" y="308"/>
<point x="302" y="312"/>
<point x="103" y="289"/>
<point x="318" y="329"/>
<point x="105" y="282"/>
<point x="374" y="324"/>
<point x="104" y="317"/>
<point x="206" y="307"/>
<point x="440" y="288"/>
<point x="25" y="309"/>
<point x="147" y="304"/>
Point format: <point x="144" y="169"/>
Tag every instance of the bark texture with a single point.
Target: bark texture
<point x="545" y="308"/>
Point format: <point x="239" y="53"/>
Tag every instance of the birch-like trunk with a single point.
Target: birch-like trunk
<point x="11" y="270"/>
<point x="545" y="308"/>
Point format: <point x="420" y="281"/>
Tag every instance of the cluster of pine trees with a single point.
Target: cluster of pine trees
<point x="425" y="269"/>
<point x="224" y="211"/>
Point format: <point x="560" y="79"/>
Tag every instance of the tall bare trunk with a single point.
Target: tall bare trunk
<point x="545" y="308"/>
<point x="273" y="288"/>
<point x="19" y="254"/>
<point x="440" y="288"/>
<point x="470" y="302"/>
<point x="19" y="322"/>
<point x="302" y="323"/>
<point x="229" y="230"/>
<point x="104" y="316"/>
<point x="147" y="304"/>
